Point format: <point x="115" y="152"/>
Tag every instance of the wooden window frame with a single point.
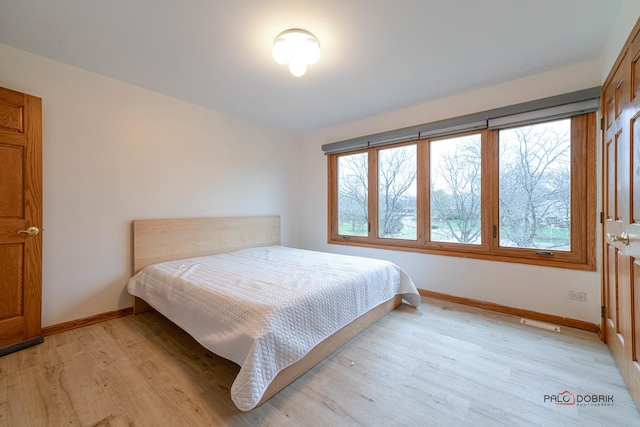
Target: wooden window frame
<point x="583" y="204"/>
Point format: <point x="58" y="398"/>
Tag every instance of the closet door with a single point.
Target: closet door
<point x="20" y="220"/>
<point x="621" y="186"/>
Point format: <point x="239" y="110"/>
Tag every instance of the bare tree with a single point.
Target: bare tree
<point x="353" y="192"/>
<point x="456" y="207"/>
<point x="396" y="175"/>
<point x="534" y="192"/>
<point x="535" y="181"/>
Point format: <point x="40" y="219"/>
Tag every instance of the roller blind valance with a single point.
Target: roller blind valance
<point x="555" y="107"/>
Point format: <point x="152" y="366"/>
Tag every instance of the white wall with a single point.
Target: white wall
<point x="541" y="289"/>
<point x="114" y="152"/>
<point x="627" y="18"/>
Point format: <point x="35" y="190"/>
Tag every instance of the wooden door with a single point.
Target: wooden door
<point x="20" y="220"/>
<point x="621" y="248"/>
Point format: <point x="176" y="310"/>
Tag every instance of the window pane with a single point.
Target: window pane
<point x="397" y="192"/>
<point x="353" y="200"/>
<point x="455" y="189"/>
<point x="535" y="186"/>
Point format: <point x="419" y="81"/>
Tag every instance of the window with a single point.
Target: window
<point x="535" y="186"/>
<point x="523" y="193"/>
<point x="353" y="196"/>
<point x="455" y="189"/>
<point x="397" y="171"/>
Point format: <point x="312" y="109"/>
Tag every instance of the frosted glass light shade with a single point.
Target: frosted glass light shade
<point x="311" y="51"/>
<point x="298" y="48"/>
<point x="297" y="66"/>
<point x="281" y="51"/>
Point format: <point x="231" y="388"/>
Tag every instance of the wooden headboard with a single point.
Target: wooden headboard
<point x="158" y="240"/>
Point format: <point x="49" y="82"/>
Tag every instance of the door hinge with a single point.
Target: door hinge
<point x="603" y="311"/>
<point x="369" y="227"/>
<point x="601" y="217"/>
<point x="495" y="231"/>
<point x="601" y="123"/>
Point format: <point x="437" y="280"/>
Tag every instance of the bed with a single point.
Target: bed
<point x="275" y="311"/>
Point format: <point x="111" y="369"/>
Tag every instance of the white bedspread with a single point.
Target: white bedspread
<point x="266" y="308"/>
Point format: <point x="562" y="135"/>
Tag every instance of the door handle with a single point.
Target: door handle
<point x="31" y="231"/>
<point x="623" y="238"/>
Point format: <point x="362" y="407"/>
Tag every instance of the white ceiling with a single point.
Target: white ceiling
<point x="377" y="55"/>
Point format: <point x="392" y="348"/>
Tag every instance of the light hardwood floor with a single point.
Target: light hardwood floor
<point x="442" y="364"/>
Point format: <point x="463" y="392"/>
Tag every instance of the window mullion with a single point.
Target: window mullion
<point x="491" y="194"/>
<point x="423" y="216"/>
<point x="373" y="195"/>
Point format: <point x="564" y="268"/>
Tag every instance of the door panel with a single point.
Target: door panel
<point x="12" y="287"/>
<point x="635" y="298"/>
<point x="611" y="155"/>
<point x="621" y="204"/>
<point x="11" y="117"/>
<point x="609" y="108"/>
<point x="612" y="289"/>
<point x="11" y="189"/>
<point x="620" y="181"/>
<point x="20" y="208"/>
<point x="635" y="168"/>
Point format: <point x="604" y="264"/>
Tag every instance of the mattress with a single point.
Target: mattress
<point x="266" y="308"/>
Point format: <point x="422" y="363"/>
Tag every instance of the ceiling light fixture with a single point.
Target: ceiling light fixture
<point x="298" y="48"/>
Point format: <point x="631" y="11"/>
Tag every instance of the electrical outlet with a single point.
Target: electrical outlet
<point x="577" y="296"/>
